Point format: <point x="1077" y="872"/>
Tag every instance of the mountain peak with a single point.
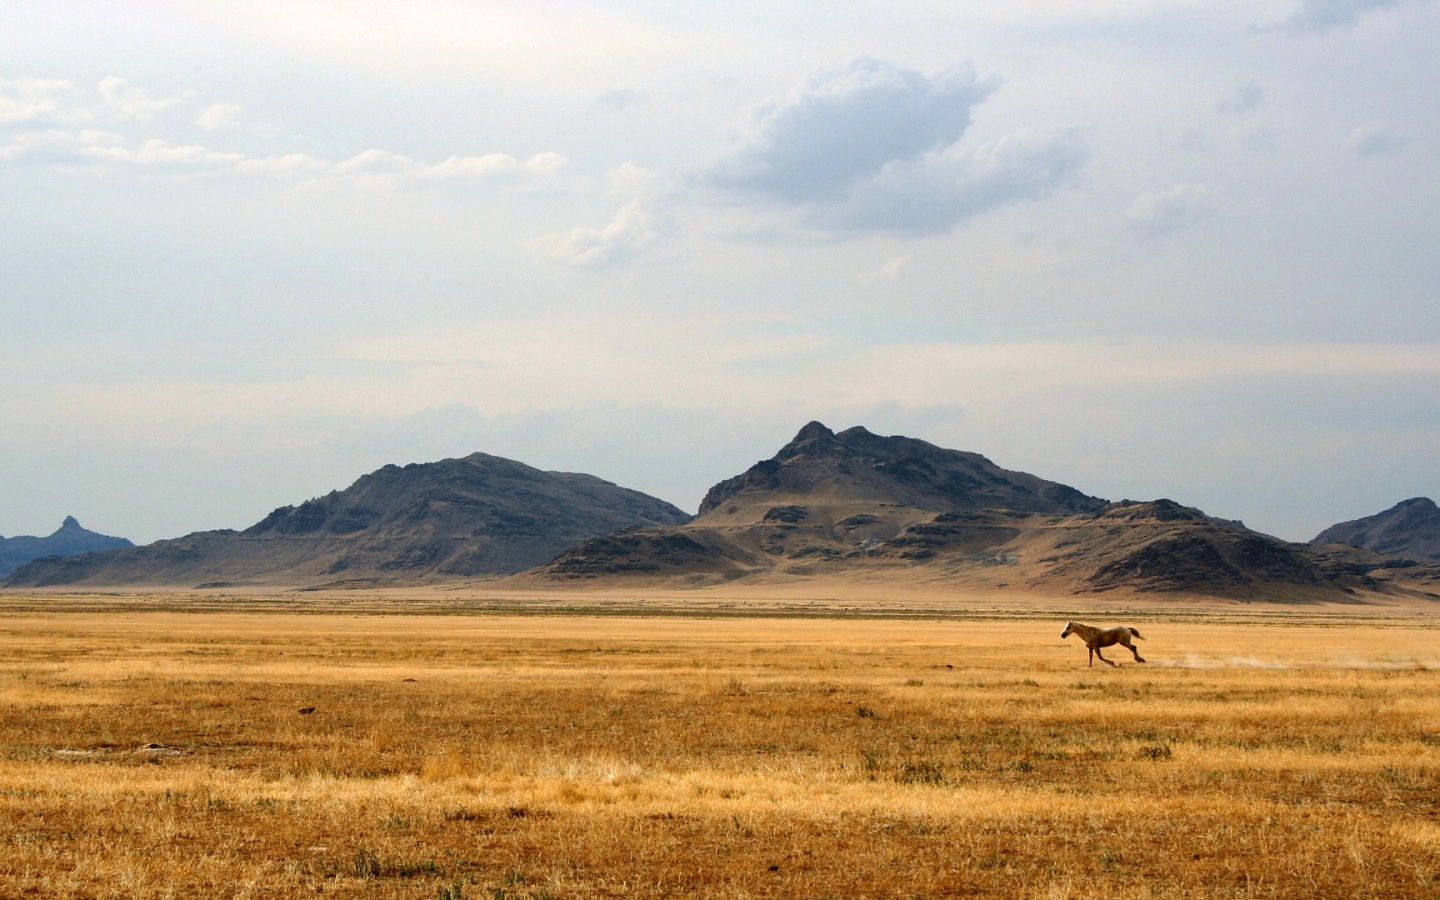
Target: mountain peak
<point x="1419" y="504"/>
<point x="812" y="439"/>
<point x="813" y="431"/>
<point x="858" y="465"/>
<point x="855" y="502"/>
<point x="472" y="516"/>
<point x="70" y="539"/>
<point x="1410" y="528"/>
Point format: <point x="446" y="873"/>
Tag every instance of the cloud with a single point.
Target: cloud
<point x="642" y="227"/>
<point x="1324" y="15"/>
<point x="621" y="99"/>
<point x="1158" y="214"/>
<point x="634" y="231"/>
<point x="871" y="146"/>
<point x="286" y="166"/>
<point x="1244" y="99"/>
<point x="220" y="117"/>
<point x="943" y="188"/>
<point x="34" y="100"/>
<point x="158" y="154"/>
<point x="841" y="126"/>
<point x="227" y="117"/>
<point x="494" y="166"/>
<point x="109" y="151"/>
<point x="127" y="101"/>
<point x="98" y="149"/>
<point x="632" y="178"/>
<point x="375" y="162"/>
<point x="1375" y="139"/>
<point x="385" y="167"/>
<point x="894" y="268"/>
<point x="44" y="118"/>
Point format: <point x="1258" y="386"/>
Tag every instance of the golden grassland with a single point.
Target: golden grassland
<point x="171" y="747"/>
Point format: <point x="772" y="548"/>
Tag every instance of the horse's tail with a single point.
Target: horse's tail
<point x="1137" y="634"/>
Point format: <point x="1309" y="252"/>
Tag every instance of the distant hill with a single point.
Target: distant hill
<point x="70" y="539"/>
<point x="856" y="504"/>
<point x="1408" y="529"/>
<point x="480" y="515"/>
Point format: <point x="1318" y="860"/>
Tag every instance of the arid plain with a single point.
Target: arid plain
<point x="826" y="741"/>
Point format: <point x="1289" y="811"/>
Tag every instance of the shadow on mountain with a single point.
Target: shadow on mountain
<point x="477" y="516"/>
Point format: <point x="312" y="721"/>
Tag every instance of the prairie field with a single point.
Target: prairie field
<point x="164" y="749"/>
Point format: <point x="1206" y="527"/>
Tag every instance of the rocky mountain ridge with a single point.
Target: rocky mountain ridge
<point x="69" y="539"/>
<point x="861" y="504"/>
<point x="858" y="465"/>
<point x="1410" y="528"/>
<point x="475" y="516"/>
<point x="848" y="505"/>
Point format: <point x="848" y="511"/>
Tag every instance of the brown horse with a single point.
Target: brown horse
<point x="1095" y="638"/>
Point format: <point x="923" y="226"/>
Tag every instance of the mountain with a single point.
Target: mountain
<point x="1408" y="529"/>
<point x="826" y="496"/>
<point x="70" y="539"/>
<point x="859" y="504"/>
<point x="480" y="515"/>
<point x="856" y="465"/>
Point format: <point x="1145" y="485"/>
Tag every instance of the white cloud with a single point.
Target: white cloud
<point x="33" y="100"/>
<point x="494" y="166"/>
<point x="386" y="169"/>
<point x="220" y="117"/>
<point x="1157" y="214"/>
<point x="621" y="99"/>
<point x="634" y="231"/>
<point x="941" y="189"/>
<point x="127" y="101"/>
<point x="375" y="162"/>
<point x="106" y="150"/>
<point x="45" y="147"/>
<point x="490" y="167"/>
<point x="158" y="154"/>
<point x="60" y="102"/>
<point x="227" y="117"/>
<point x="894" y="268"/>
<point x="843" y="125"/>
<point x="29" y="103"/>
<point x="290" y="165"/>
<point x="103" y="150"/>
<point x="641" y="228"/>
<point x="632" y="178"/>
<point x="1375" y="139"/>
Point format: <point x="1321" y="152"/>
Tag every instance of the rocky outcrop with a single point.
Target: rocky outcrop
<point x="856" y="503"/>
<point x="69" y="539"/>
<point x="480" y="515"/>
<point x="858" y="465"/>
<point x="1409" y="529"/>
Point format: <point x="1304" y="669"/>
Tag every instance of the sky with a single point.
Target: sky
<point x="251" y="251"/>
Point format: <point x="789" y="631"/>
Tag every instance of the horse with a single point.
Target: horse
<point x="1095" y="638"/>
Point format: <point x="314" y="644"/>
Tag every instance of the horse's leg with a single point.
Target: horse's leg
<point x="1092" y="656"/>
<point x="1108" y="662"/>
<point x="1125" y="641"/>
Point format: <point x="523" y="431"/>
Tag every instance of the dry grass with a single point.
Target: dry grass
<point x="166" y="754"/>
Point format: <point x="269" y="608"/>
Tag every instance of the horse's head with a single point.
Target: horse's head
<point x="1069" y="626"/>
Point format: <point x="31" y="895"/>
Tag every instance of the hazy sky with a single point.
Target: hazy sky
<point x="251" y="251"/>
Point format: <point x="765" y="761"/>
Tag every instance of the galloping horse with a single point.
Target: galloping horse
<point x="1095" y="638"/>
